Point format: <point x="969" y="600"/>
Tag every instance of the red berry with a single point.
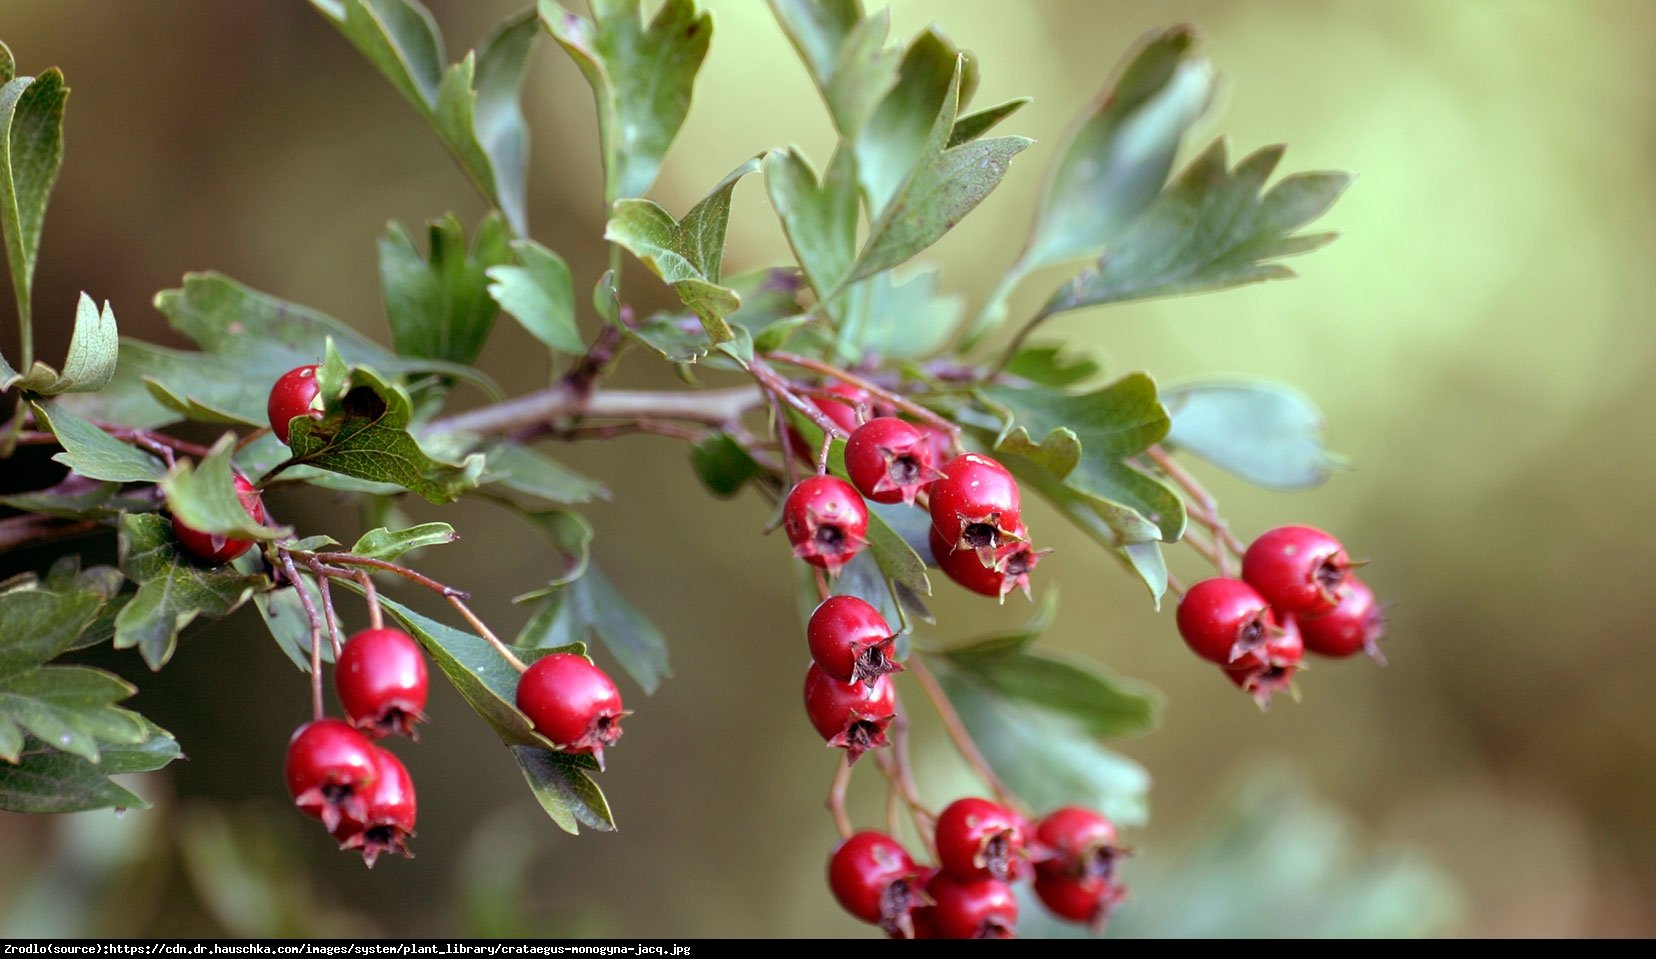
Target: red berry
<point x="1078" y="900"/>
<point x="1300" y="569"/>
<point x="970" y="909"/>
<point x="387" y="823"/>
<point x="941" y="442"/>
<point x="826" y="521"/>
<point x="216" y="548"/>
<point x="381" y="679"/>
<point x="1013" y="562"/>
<point x="890" y="461"/>
<point x="330" y="771"/>
<point x="842" y="412"/>
<point x="851" y="641"/>
<point x="1270" y="669"/>
<point x="1355" y="625"/>
<point x="874" y="878"/>
<point x="978" y="839"/>
<point x="1224" y="619"/>
<point x="295" y="394"/>
<point x="572" y="703"/>
<point x="852" y="716"/>
<point x="1078" y="844"/>
<point x="975" y="506"/>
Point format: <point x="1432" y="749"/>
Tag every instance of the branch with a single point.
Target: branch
<point x="18" y="531"/>
<point x="568" y="400"/>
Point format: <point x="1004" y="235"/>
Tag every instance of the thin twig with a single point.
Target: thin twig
<point x="779" y="388"/>
<point x="30" y="528"/>
<point x="872" y="388"/>
<point x="900" y="775"/>
<point x="484" y="631"/>
<point x="292" y="571"/>
<point x="328" y="609"/>
<point x="957" y="731"/>
<point x="836" y="797"/>
<point x="370" y="595"/>
<point x="1203" y="506"/>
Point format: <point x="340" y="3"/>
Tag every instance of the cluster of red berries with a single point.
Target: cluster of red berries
<point x="1297" y="594"/>
<point x="978" y="538"/>
<point x="335" y="771"/>
<point x="982" y="848"/>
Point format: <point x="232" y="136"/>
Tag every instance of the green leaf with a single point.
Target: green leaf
<point x="1273" y="860"/>
<point x="203" y="496"/>
<point x="172" y="589"/>
<point x="969" y="128"/>
<point x="1146" y="560"/>
<point x="687" y="253"/>
<point x="485" y="680"/>
<point x="1085" y="440"/>
<point x="772" y="307"/>
<point x="539" y="293"/>
<point x="92" y="351"/>
<point x="819" y="220"/>
<point x="31" y="152"/>
<point x="284" y="615"/>
<point x="386" y="544"/>
<point x="47" y="781"/>
<point x="76" y="497"/>
<point x="845" y="53"/>
<point x="590" y="608"/>
<point x="472" y="105"/>
<point x="94" y="454"/>
<point x="565" y="790"/>
<point x="1009" y="643"/>
<point x="1052" y="365"/>
<point x="1267" y="433"/>
<point x="35" y="626"/>
<point x="912" y="122"/>
<point x="939" y="195"/>
<point x="439" y="305"/>
<point x="724" y="465"/>
<point x="909" y="319"/>
<point x="523" y="469"/>
<point x="1212" y="229"/>
<point x="1095" y="700"/>
<point x="675" y="337"/>
<point x="899" y="564"/>
<point x="641" y="79"/>
<point x="1116" y="157"/>
<point x="1048" y="760"/>
<point x="571" y="538"/>
<point x="365" y="435"/>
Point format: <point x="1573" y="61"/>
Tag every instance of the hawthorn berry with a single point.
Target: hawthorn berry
<point x="969" y="908"/>
<point x="1356" y="624"/>
<point x="1087" y="900"/>
<point x="1077" y="843"/>
<point x="840" y="407"/>
<point x="851" y="716"/>
<point x="217" y="548"/>
<point x="381" y="679"/>
<point x="890" y="461"/>
<point x="330" y="771"/>
<point x="826" y="521"/>
<point x="874" y="878"/>
<point x="975" y="506"/>
<point x="573" y="703"/>
<point x="851" y="641"/>
<point x="1299" y="569"/>
<point x="1224" y="619"/>
<point x="1013" y="562"/>
<point x="979" y="839"/>
<point x="296" y="393"/>
<point x="387" y="822"/>
<point x="1270" y="669"/>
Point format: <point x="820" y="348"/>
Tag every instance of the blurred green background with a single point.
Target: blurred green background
<point x="1478" y="339"/>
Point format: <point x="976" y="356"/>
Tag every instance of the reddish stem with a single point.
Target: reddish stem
<point x="872" y="388"/>
<point x="292" y="571"/>
<point x="836" y="797"/>
<point x="957" y="731"/>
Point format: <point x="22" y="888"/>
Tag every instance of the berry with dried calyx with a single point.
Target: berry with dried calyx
<point x="851" y="716"/>
<point x="889" y="460"/>
<point x="875" y="879"/>
<point x="296" y="393"/>
<point x="330" y="771"/>
<point x="976" y="506"/>
<point x="826" y="521"/>
<point x="969" y="908"/>
<point x="387" y="821"/>
<point x="851" y="641"/>
<point x="1223" y="619"/>
<point x="381" y="680"/>
<point x="1299" y="569"/>
<point x="979" y="839"/>
<point x="1355" y="625"/>
<point x="1013" y="562"/>
<point x="1270" y="669"/>
<point x="573" y="703"/>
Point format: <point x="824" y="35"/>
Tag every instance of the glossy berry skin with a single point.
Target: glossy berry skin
<point x="216" y="549"/>
<point x="970" y="909"/>
<point x="826" y="521"/>
<point x="381" y="680"/>
<point x="572" y="703"/>
<point x="330" y="771"/>
<point x="1270" y="669"/>
<point x="1355" y="626"/>
<point x="975" y="506"/>
<point x="296" y="393"/>
<point x="890" y="461"/>
<point x="1077" y="843"/>
<point x="1013" y="562"/>
<point x="1298" y="569"/>
<point x="979" y="839"/>
<point x="387" y="822"/>
<point x="850" y="716"/>
<point x="873" y="878"/>
<point x="851" y="641"/>
<point x="1223" y="619"/>
<point x="1078" y="900"/>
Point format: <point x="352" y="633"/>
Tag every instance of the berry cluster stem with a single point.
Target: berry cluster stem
<point x="873" y="389"/>
<point x="286" y="559"/>
<point x="956" y="728"/>
<point x="1202" y="507"/>
<point x="836" y="797"/>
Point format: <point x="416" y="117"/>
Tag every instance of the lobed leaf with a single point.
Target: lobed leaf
<point x="539" y="293"/>
<point x="48" y="781"/>
<point x="93" y="346"/>
<point x="1267" y="433"/>
<point x="93" y="453"/>
<point x="203" y="496"/>
<point x="172" y="589"/>
<point x="31" y="152"/>
<point x="438" y="305"/>
<point x="590" y="608"/>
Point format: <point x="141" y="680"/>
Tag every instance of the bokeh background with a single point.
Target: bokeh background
<point x="1479" y="340"/>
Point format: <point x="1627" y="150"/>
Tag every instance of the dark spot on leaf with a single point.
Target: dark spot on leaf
<point x="363" y="403"/>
